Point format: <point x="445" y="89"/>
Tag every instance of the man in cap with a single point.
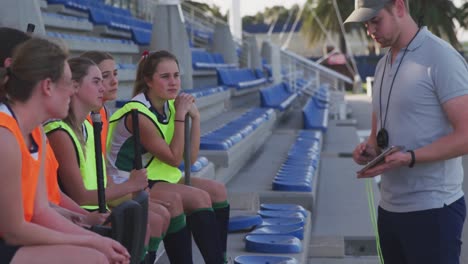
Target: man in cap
<point x="420" y="101"/>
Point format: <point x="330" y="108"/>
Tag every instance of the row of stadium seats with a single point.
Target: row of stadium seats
<point x="233" y="132"/>
<point x="315" y="112"/>
<point x="298" y="172"/>
<point x="274" y="229"/>
<point x="203" y="60"/>
<point x="239" y="78"/>
<point x="277" y="96"/>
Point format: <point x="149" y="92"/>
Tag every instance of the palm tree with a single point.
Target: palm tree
<point x="464" y="14"/>
<point x="324" y="11"/>
<point x="439" y="17"/>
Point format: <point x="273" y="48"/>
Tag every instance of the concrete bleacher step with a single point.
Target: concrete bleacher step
<point x="246" y="132"/>
<point x="117" y="33"/>
<point x="127" y="73"/>
<point x="42" y="4"/>
<point x="258" y="175"/>
<point x="64" y="23"/>
<point x="122" y="50"/>
<point x="340" y="139"/>
<point x="213" y="104"/>
<point x="345" y="260"/>
<point x="264" y="259"/>
<point x="61" y="9"/>
<point x="342" y="223"/>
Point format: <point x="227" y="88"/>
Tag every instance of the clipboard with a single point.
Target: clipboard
<point x="381" y="157"/>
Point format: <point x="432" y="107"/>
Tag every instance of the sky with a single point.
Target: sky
<point x="251" y="7"/>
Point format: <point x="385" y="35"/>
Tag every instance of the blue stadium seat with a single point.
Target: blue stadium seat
<point x="298" y="221"/>
<point x="121" y="19"/>
<point x="197" y="166"/>
<point x="297" y="231"/>
<point x="238" y="78"/>
<point x="277" y="96"/>
<point x="243" y="222"/>
<point x="280" y="214"/>
<point x="273" y="244"/>
<point x="283" y="207"/>
<point x="200" y="92"/>
<point x="203" y="60"/>
<point x="233" y="132"/>
<point x="296" y="174"/>
<point x="315" y="112"/>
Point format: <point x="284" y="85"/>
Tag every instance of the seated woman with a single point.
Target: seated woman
<point x="73" y="143"/>
<point x="58" y="200"/>
<point x="38" y="88"/>
<point x="177" y="233"/>
<point x="162" y="112"/>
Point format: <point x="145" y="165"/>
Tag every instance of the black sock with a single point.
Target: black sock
<point x="221" y="210"/>
<point x="150" y="258"/>
<point x="177" y="241"/>
<point x="201" y="223"/>
<point x="152" y="248"/>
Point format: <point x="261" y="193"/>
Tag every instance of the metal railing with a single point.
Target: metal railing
<point x="293" y="66"/>
<point x="297" y="66"/>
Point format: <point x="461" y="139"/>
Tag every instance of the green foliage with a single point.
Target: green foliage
<point x="439" y="16"/>
<point x="270" y="14"/>
<point x="213" y="10"/>
<point x="325" y="12"/>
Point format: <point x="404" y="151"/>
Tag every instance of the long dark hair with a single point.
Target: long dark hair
<point x="10" y="39"/>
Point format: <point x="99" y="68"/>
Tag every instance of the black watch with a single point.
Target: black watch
<point x="413" y="158"/>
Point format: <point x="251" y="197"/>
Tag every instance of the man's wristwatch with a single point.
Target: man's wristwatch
<point x="413" y="158"/>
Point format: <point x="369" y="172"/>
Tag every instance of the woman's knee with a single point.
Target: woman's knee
<point x="172" y="201"/>
<point x="162" y="211"/>
<point x="220" y="191"/>
<point x="197" y="198"/>
<point x="216" y="190"/>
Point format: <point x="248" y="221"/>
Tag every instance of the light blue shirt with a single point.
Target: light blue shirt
<point x="432" y="73"/>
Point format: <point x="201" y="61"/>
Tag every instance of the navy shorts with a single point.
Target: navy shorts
<point x="429" y="236"/>
<point x="7" y="252"/>
<point x="153" y="182"/>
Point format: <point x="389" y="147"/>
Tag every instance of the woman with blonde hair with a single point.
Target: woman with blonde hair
<point x="37" y="88"/>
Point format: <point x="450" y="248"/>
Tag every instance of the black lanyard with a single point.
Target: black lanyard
<point x="382" y="124"/>
<point x="382" y="135"/>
